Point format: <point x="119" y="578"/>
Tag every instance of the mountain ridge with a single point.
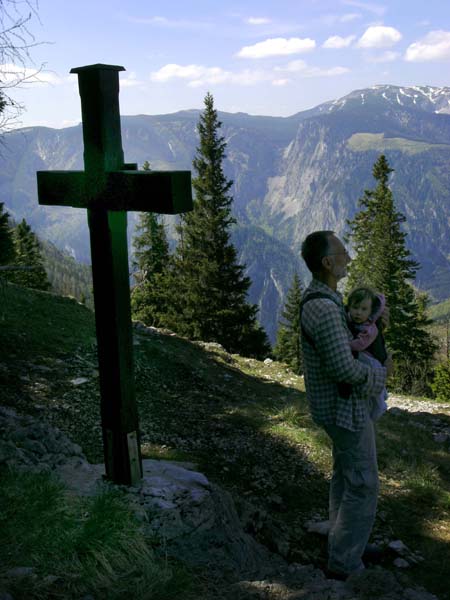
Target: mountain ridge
<point x="291" y="175"/>
<point x="417" y="96"/>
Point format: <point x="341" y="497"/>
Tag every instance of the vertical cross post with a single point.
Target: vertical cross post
<point x="99" y="92"/>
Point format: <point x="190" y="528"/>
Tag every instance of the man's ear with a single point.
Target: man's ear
<point x="326" y="262"/>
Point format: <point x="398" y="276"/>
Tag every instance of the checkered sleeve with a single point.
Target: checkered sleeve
<point x="331" y="338"/>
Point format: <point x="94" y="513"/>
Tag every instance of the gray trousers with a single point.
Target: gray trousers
<point x="353" y="496"/>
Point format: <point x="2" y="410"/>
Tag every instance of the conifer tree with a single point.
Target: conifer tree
<point x="210" y="287"/>
<point x="28" y="254"/>
<point x="288" y="347"/>
<point x="6" y="238"/>
<point x="151" y="260"/>
<point x="383" y="262"/>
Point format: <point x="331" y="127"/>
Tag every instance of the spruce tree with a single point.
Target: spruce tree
<point x="6" y="238"/>
<point x="288" y="347"/>
<point x="28" y="254"/>
<point x="383" y="262"/>
<point x="210" y="287"/>
<point x="150" y="261"/>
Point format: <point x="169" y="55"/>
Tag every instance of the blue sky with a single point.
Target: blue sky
<point x="262" y="57"/>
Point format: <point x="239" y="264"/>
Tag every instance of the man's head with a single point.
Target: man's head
<point x="325" y="256"/>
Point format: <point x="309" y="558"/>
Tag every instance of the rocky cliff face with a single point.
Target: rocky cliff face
<point x="328" y="164"/>
<point x="291" y="176"/>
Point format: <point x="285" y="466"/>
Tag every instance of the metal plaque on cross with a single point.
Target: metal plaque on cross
<point x="108" y="188"/>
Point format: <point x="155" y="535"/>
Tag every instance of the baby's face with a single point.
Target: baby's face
<point x="361" y="311"/>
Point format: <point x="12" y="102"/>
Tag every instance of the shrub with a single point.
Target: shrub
<point x="441" y="383"/>
<point x="411" y="377"/>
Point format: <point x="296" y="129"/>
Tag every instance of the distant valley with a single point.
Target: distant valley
<point x="291" y="175"/>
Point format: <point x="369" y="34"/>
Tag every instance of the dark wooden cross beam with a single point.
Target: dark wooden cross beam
<point x="107" y="188"/>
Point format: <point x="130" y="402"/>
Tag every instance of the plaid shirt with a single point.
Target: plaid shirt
<point x="331" y="361"/>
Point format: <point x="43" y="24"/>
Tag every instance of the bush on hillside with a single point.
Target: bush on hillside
<point x="441" y="383"/>
<point x="411" y="377"/>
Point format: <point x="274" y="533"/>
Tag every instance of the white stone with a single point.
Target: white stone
<point x="320" y="527"/>
<point x="161" y="504"/>
<point x="20" y="572"/>
<point x="398" y="546"/>
<point x="79" y="380"/>
<point x="401" y="563"/>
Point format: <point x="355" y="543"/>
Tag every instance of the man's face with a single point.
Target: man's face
<point x="338" y="256"/>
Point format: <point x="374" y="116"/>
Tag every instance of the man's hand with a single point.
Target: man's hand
<point x="385" y="317"/>
<point x="389" y="364"/>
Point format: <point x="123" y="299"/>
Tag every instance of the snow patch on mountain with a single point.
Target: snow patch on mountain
<point x="427" y="98"/>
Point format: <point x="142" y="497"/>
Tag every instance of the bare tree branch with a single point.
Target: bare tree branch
<point x="16" y="41"/>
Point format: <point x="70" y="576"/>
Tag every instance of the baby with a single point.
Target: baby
<point x="364" y="309"/>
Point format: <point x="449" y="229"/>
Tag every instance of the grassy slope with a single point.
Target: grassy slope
<point x="440" y="328"/>
<point x="362" y="142"/>
<point x="441" y="311"/>
<point x="244" y="423"/>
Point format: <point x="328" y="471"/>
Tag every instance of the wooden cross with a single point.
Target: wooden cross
<point x="108" y="188"/>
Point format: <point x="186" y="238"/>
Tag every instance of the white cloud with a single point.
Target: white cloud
<point x="258" y="21"/>
<point x="350" y="17"/>
<point x="336" y="41"/>
<point x="149" y="20"/>
<point x="387" y="56"/>
<point x="247" y="77"/>
<point x="330" y="19"/>
<point x="376" y="9"/>
<point x="294" y="66"/>
<point x="332" y="72"/>
<point x="11" y="74"/>
<point x="69" y="123"/>
<point x="159" y="21"/>
<point x="277" y="47"/>
<point x="434" y="46"/>
<point x="280" y="82"/>
<point x="190" y="72"/>
<point x="198" y="75"/>
<point x="129" y="80"/>
<point x="300" y="67"/>
<point x="379" y="36"/>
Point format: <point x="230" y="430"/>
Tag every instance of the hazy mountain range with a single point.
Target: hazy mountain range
<point x="291" y="175"/>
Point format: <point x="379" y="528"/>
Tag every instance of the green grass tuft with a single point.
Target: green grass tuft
<point x="90" y="545"/>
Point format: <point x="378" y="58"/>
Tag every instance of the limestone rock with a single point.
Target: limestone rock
<point x="20" y="572"/>
<point x="320" y="527"/>
<point x="401" y="563"/>
<point x="192" y="519"/>
<point x="79" y="380"/>
<point x="28" y="443"/>
<point x="441" y="437"/>
<point x="398" y="546"/>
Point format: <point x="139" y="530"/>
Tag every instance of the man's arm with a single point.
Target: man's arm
<point x="322" y="320"/>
